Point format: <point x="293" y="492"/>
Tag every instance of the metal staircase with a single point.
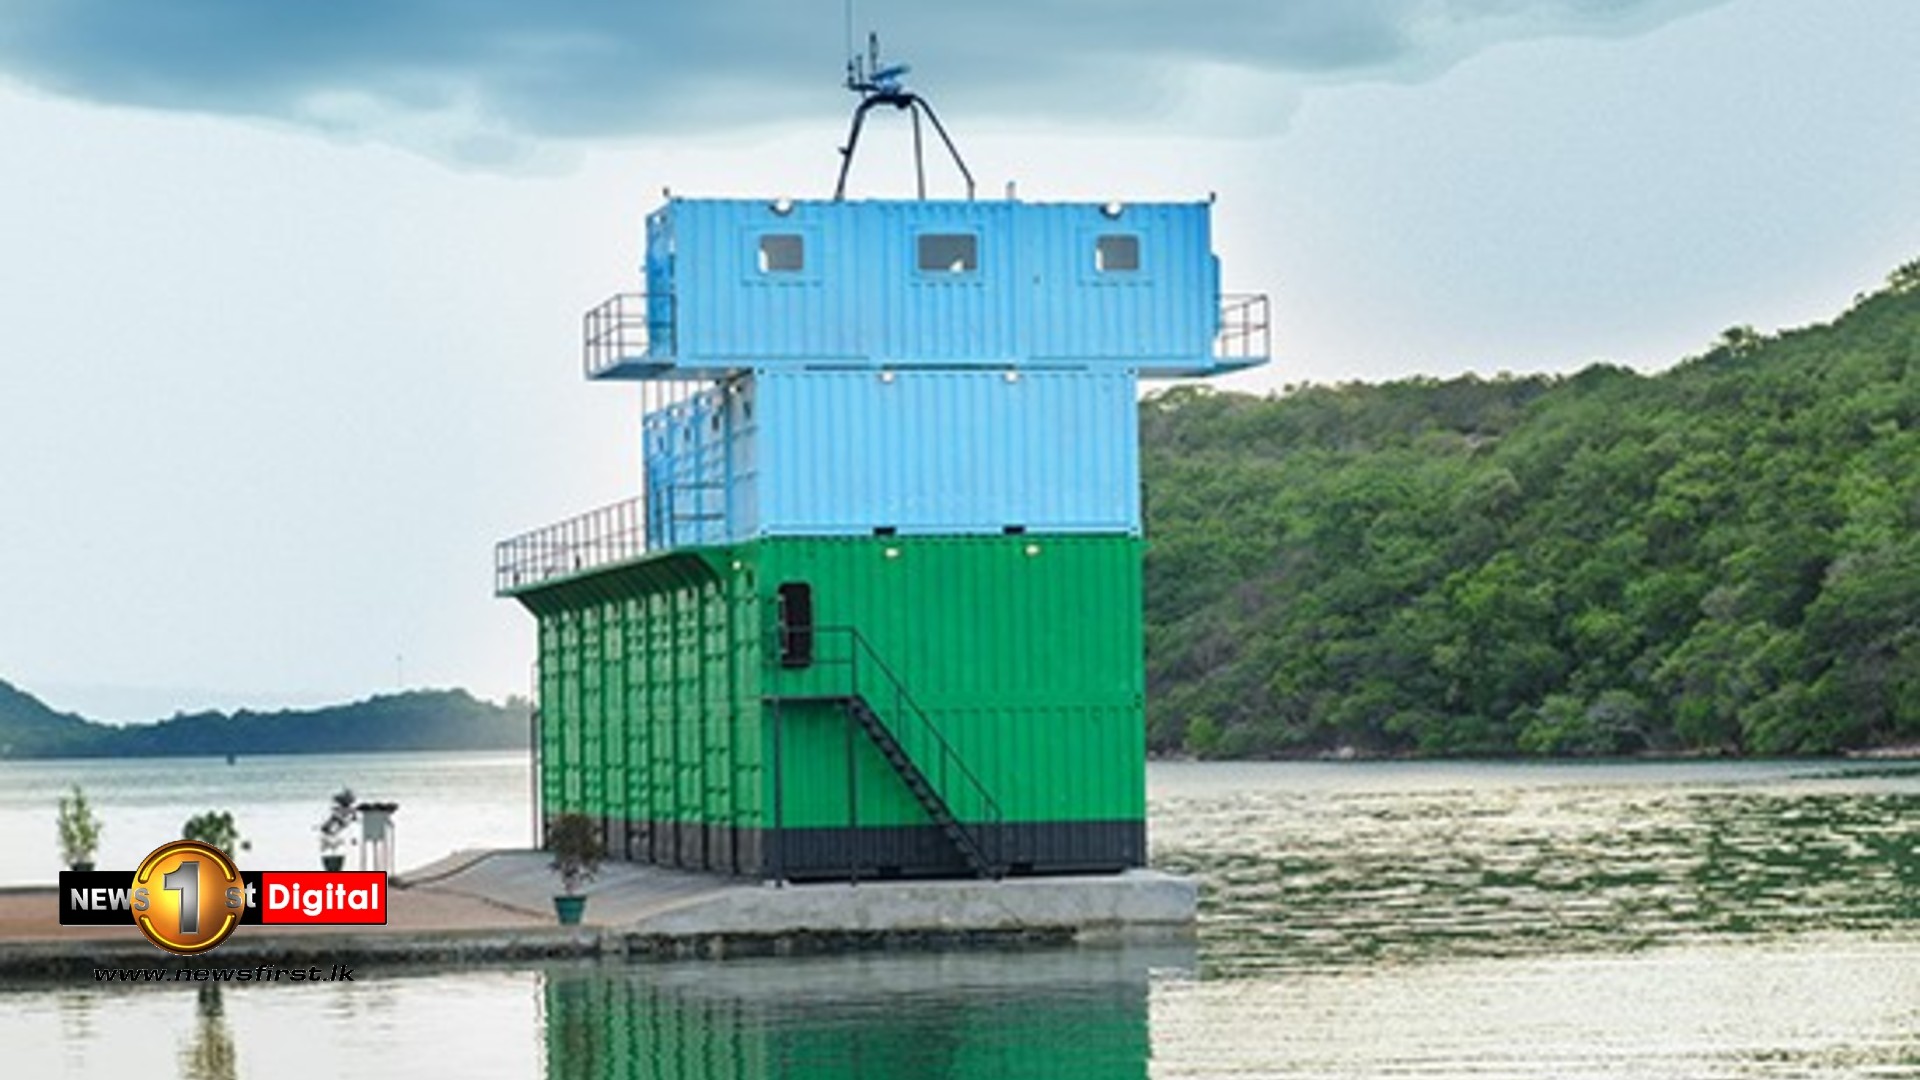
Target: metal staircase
<point x="842" y="669"/>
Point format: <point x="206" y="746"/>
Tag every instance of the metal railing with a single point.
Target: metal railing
<point x="693" y="512"/>
<point x="639" y="327"/>
<point x="625" y="328"/>
<point x="1246" y="328"/>
<point x="843" y="664"/>
<point x="596" y="538"/>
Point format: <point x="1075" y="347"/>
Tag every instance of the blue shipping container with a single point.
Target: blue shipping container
<point x="735" y="285"/>
<point x="849" y="453"/>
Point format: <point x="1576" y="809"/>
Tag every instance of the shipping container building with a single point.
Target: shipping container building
<point x="877" y="706"/>
<point x="912" y="452"/>
<point x="876" y="610"/>
<point x="735" y="285"/>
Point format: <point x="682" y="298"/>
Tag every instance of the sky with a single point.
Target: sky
<point x="290" y="294"/>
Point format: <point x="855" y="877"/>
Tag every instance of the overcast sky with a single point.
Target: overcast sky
<point x="290" y="293"/>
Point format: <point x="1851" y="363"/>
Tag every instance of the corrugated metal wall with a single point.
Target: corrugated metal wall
<point x="843" y="453"/>
<point x="728" y="311"/>
<point x="946" y="452"/>
<point x="1035" y="296"/>
<point x="1026" y="651"/>
<point x="918" y="316"/>
<point x="1162" y="314"/>
<point x="650" y="710"/>
<point x="659" y="718"/>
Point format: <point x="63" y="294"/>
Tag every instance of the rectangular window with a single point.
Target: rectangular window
<point x="782" y="253"/>
<point x="1116" y="252"/>
<point x="949" y="253"/>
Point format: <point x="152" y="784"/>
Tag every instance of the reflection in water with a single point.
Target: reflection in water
<point x="1318" y="879"/>
<point x="1077" y="1015"/>
<point x="1445" y="920"/>
<point x="211" y="1055"/>
<point x="76" y="1009"/>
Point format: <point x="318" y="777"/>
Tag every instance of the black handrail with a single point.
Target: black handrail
<point x="989" y="806"/>
<point x="952" y="779"/>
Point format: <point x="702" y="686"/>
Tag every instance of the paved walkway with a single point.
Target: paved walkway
<point x="465" y="892"/>
<point x="475" y="907"/>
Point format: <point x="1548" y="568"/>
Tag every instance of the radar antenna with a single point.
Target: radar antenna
<point x="883" y="84"/>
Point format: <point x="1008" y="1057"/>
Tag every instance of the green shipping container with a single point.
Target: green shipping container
<point x="852" y="706"/>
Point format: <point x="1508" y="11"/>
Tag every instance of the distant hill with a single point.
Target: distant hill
<point x="28" y="728"/>
<point x="1724" y="558"/>
<point x="415" y="720"/>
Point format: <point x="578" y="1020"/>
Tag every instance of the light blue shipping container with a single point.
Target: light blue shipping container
<point x="738" y="285"/>
<point x="852" y="453"/>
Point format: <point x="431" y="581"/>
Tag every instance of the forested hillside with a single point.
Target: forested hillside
<point x="1721" y="558"/>
<point x="28" y="728"/>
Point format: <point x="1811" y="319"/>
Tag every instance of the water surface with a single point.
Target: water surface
<point x="1358" y="920"/>
<point x="447" y="802"/>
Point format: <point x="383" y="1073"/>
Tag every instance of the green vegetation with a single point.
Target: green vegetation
<point x="29" y="729"/>
<point x="79" y="830"/>
<point x="578" y="848"/>
<point x="1724" y="558"/>
<point x="216" y="828"/>
<point x="415" y="720"/>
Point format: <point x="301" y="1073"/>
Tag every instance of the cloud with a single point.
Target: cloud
<point x="484" y="80"/>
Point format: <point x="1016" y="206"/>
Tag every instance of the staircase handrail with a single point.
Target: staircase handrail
<point x="953" y="775"/>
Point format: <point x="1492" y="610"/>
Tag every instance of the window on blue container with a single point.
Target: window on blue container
<point x="949" y="253"/>
<point x="1116" y="253"/>
<point x="782" y="253"/>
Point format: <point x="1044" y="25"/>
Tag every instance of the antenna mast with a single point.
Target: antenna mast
<point x="881" y="84"/>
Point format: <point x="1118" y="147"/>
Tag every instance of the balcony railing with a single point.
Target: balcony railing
<point x="631" y="335"/>
<point x="1246" y="329"/>
<point x="630" y="332"/>
<point x="597" y="538"/>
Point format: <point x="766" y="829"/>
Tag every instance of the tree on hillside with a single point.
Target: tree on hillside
<point x="1718" y="559"/>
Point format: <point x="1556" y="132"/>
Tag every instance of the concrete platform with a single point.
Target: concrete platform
<point x="494" y="906"/>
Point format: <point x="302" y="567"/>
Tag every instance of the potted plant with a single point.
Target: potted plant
<point x="577" y="848"/>
<point x="217" y="829"/>
<point x="333" y="831"/>
<point x="79" y="830"/>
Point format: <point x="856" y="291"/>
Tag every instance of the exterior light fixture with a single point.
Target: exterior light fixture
<point x="1113" y="209"/>
<point x="1012" y="376"/>
<point x="781" y="206"/>
<point x="886" y="376"/>
<point x="1033" y="549"/>
<point x="893" y="553"/>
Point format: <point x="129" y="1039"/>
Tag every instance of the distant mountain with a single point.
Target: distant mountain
<point x="415" y="720"/>
<point x="28" y="728"/>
